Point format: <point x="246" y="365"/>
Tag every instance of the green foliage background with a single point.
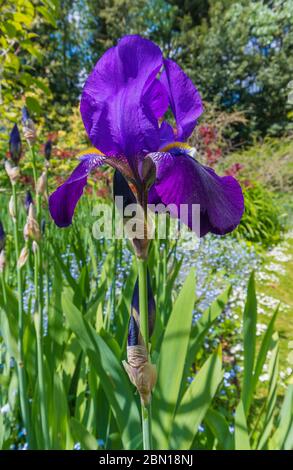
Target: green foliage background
<point x="239" y="53"/>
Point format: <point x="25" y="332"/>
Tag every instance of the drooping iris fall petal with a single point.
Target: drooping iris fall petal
<point x="63" y="201"/>
<point x="183" y="180"/>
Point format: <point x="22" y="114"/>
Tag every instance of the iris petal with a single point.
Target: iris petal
<point x="156" y="98"/>
<point x="117" y="105"/>
<point x="183" y="180"/>
<point x="166" y="134"/>
<point x="184" y="98"/>
<point x="63" y="201"/>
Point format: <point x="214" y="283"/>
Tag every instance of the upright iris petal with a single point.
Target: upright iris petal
<point x="184" y="99"/>
<point x="117" y="104"/>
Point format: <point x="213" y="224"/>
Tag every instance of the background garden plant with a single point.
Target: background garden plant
<point x="228" y="329"/>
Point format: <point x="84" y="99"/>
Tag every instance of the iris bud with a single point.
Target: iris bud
<point x="28" y="200"/>
<point x="35" y="247"/>
<point x="141" y="372"/>
<point x="133" y="332"/>
<point x="48" y="149"/>
<point x="2" y="237"/>
<point x="28" y="126"/>
<point x="11" y="208"/>
<point x="15" y="145"/>
<point x="23" y="257"/>
<point x="2" y="261"/>
<point x="31" y="229"/>
<point x="42" y="184"/>
<point x="12" y="172"/>
<point x="151" y="308"/>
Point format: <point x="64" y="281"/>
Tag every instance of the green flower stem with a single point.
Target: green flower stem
<point x="144" y="330"/>
<point x="38" y="316"/>
<point x="24" y="404"/>
<point x="113" y="289"/>
<point x="3" y="289"/>
<point x="34" y="165"/>
<point x="39" y="313"/>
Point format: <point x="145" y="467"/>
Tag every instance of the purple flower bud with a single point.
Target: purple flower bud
<point x="25" y="115"/>
<point x="28" y="200"/>
<point x="29" y="129"/>
<point x="133" y="332"/>
<point x="2" y="237"/>
<point x="48" y="149"/>
<point x="15" y="145"/>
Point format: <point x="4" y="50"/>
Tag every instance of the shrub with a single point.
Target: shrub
<point x="262" y="220"/>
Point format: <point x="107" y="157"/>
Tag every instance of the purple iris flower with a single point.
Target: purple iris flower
<point x="123" y="105"/>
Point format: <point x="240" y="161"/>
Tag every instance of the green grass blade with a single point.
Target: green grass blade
<point x="249" y="340"/>
<point x="264" y="348"/>
<point x="81" y="435"/>
<point x="283" y="437"/>
<point x="220" y="429"/>
<point x="241" y="432"/>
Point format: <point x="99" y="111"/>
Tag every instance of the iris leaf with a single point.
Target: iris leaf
<point x="249" y="339"/>
<point x="171" y="362"/>
<point x="241" y="432"/>
<point x="110" y="371"/>
<point x="196" y="402"/>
